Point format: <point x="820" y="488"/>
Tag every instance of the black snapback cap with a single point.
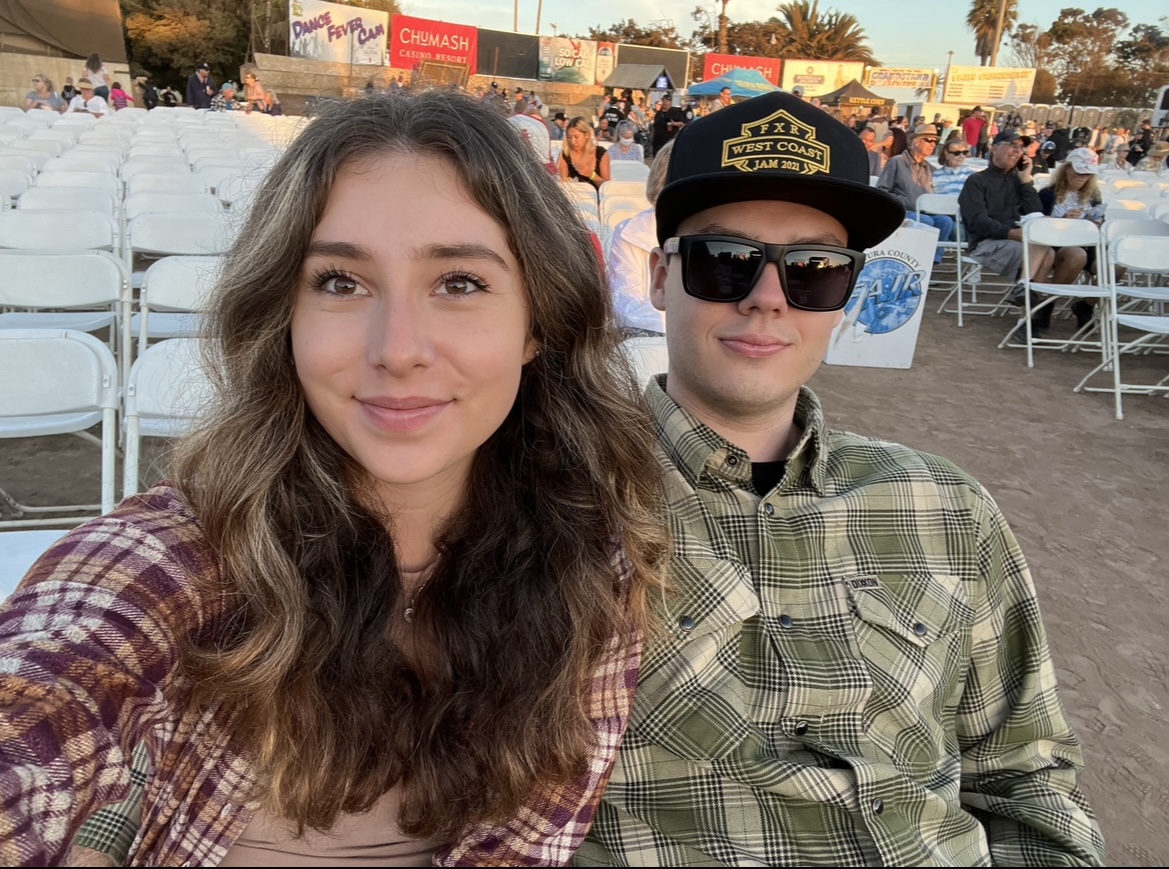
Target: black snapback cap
<point x="776" y="147"/>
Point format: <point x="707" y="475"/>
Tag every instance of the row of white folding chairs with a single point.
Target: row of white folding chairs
<point x="69" y="384"/>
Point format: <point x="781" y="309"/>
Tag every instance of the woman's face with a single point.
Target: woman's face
<point x="1076" y="181"/>
<point x="40" y="84"/>
<point x="410" y="324"/>
<point x="576" y="138"/>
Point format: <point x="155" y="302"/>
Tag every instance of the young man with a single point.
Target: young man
<point x="853" y="669"/>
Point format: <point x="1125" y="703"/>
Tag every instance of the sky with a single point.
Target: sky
<point x="912" y="33"/>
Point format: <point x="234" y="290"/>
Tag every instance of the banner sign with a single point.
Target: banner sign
<point x="988" y="85"/>
<point x="883" y="316"/>
<point x="819" y="77"/>
<point x="714" y="65"/>
<point x="893" y="77"/>
<point x="414" y="40"/>
<point x="575" y="61"/>
<point x="336" y="33"/>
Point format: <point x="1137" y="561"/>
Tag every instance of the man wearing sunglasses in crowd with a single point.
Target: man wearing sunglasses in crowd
<point x="853" y="669"/>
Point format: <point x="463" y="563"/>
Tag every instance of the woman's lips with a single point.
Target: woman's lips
<point x="402" y="415"/>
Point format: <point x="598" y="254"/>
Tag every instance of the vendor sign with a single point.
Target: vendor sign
<point x="414" y="40"/>
<point x="336" y="33"/>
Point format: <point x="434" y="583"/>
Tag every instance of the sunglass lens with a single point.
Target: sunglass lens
<point x="817" y="280"/>
<point x="721" y="271"/>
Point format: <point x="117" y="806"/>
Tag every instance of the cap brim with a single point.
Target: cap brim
<point x="869" y="215"/>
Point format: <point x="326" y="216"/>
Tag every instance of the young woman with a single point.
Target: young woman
<point x="42" y="96"/>
<point x="582" y="159"/>
<point x="1074" y="193"/>
<point x="97" y="73"/>
<point x="390" y="605"/>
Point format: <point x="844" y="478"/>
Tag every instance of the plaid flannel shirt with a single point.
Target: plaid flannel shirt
<point x="89" y="673"/>
<point x="855" y="673"/>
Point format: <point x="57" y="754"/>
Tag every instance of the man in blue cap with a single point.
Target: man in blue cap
<point x="853" y="669"/>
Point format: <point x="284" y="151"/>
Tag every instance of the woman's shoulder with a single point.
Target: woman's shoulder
<point x="601" y="152"/>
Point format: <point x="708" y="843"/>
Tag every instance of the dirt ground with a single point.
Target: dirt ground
<point x="1086" y="495"/>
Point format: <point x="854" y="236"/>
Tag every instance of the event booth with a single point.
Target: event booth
<point x="854" y="97"/>
<point x="743" y="83"/>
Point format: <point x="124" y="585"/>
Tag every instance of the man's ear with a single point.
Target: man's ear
<point x="659" y="263"/>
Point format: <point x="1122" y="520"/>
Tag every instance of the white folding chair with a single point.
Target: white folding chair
<point x="578" y="191"/>
<point x="38" y="147"/>
<point x="628" y="170"/>
<point x="13" y="183"/>
<point x="174" y="291"/>
<point x="67" y="137"/>
<point x="612" y="218"/>
<point x="69" y="199"/>
<point x="1055" y="232"/>
<point x="167" y="392"/>
<point x="1137" y="255"/>
<point x="178" y="183"/>
<point x="947" y="204"/>
<point x="67" y="383"/>
<point x="621" y="188"/>
<point x="153" y="166"/>
<point x="138" y="204"/>
<point x="18" y="163"/>
<point x="72" y="161"/>
<point x="96" y="180"/>
<point x="238" y="191"/>
<point x="213" y="176"/>
<point x="56" y="230"/>
<point x="11" y="134"/>
<point x="1125" y="209"/>
<point x="19" y="550"/>
<point x="647" y="354"/>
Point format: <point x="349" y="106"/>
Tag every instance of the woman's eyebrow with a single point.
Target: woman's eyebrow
<point x="461" y="251"/>
<point x="343" y="249"/>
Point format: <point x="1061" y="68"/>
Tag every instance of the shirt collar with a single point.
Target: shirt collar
<point x="695" y="448"/>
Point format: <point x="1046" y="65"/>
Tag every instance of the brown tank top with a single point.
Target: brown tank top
<point x="370" y="839"/>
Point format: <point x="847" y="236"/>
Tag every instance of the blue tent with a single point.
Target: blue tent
<point x="742" y="82"/>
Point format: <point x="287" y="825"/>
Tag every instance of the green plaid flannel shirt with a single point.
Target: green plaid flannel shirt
<point x="855" y="672"/>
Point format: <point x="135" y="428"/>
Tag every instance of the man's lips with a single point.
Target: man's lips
<point x="753" y="345"/>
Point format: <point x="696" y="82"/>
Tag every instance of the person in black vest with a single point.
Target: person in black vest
<point x="667" y="122"/>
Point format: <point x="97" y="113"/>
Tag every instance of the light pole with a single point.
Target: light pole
<point x="515" y="20"/>
<point x="949" y="63"/>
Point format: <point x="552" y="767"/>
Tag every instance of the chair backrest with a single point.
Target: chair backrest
<point x="1117" y="207"/>
<point x="57" y="230"/>
<point x="61" y="371"/>
<point x="622" y="188"/>
<point x="938" y="203"/>
<point x="69" y="198"/>
<point x="19" y="163"/>
<point x="153" y="166"/>
<point x="13" y="183"/>
<point x="72" y="161"/>
<point x="612" y="218"/>
<point x="236" y="190"/>
<point x="34" y="146"/>
<point x="577" y="190"/>
<point x="628" y="170"/>
<point x="186" y="183"/>
<point x="171" y="203"/>
<point x="1061" y="232"/>
<point x="61" y="279"/>
<point x="10" y="134"/>
<point x="1161" y="211"/>
<point x="97" y="180"/>
<point x="1140" y="253"/>
<point x="178" y="234"/>
<point x="67" y="137"/>
<point x="213" y="176"/>
<point x="180" y="283"/>
<point x="156" y="149"/>
<point x="1114" y="229"/>
<point x="168" y="387"/>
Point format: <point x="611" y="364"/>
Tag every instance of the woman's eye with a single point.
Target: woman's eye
<point x="459" y="285"/>
<point x="341" y="285"/>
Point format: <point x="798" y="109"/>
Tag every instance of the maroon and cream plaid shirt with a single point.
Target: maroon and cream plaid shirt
<point x="89" y="668"/>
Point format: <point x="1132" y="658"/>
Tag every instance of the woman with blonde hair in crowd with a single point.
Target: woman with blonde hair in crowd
<point x="582" y="159"/>
<point x="1074" y="193"/>
<point x="388" y="609"/>
<point x="42" y="96"/>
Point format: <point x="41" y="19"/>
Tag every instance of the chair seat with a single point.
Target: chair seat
<point x="48" y="424"/>
<point x="1078" y="291"/>
<point x="165" y="324"/>
<point x="18" y="552"/>
<point x="1144" y="322"/>
<point x="81" y="321"/>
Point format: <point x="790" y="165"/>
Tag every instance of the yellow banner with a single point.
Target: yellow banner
<point x="988" y="84"/>
<point x="895" y="77"/>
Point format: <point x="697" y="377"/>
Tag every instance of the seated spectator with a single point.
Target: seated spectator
<point x="1073" y="193"/>
<point x="582" y="159"/>
<point x="225" y="100"/>
<point x="1032" y="148"/>
<point x="992" y="203"/>
<point x="604" y="131"/>
<point x="87" y="102"/>
<point x="877" y="158"/>
<point x="626" y="148"/>
<point x="909" y="175"/>
<point x="43" y="97"/>
<point x="254" y="94"/>
<point x="119" y="99"/>
<point x="559" y="122"/>
<point x="952" y="170"/>
<point x="273" y="103"/>
<point x="627" y="263"/>
<point x="68" y="92"/>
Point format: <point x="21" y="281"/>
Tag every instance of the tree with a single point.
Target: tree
<point x="391" y="7"/>
<point x="803" y="31"/>
<point x="657" y="34"/>
<point x="166" y="38"/>
<point x="1080" y="55"/>
<point x="983" y="19"/>
<point x="1144" y="57"/>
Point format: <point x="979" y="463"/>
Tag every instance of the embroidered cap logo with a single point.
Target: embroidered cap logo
<point x="779" y="141"/>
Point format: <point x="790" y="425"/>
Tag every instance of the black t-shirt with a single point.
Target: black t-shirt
<point x="662" y="133"/>
<point x="613" y="115"/>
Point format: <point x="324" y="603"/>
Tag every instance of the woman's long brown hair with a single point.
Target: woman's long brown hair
<point x="527" y="593"/>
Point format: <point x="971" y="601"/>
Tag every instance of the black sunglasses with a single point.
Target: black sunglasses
<point x="959" y="153"/>
<point x="719" y="268"/>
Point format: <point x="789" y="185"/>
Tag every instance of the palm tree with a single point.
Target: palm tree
<point x="805" y="32"/>
<point x="984" y="21"/>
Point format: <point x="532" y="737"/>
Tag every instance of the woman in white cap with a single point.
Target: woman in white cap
<point x="1074" y="193"/>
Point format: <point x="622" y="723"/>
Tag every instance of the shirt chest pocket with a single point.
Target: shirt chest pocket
<point x="913" y="634"/>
